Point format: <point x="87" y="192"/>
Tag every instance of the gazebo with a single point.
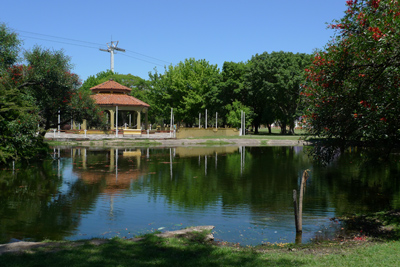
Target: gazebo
<point x="113" y="97"/>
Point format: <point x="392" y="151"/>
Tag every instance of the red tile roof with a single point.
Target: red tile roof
<point x="118" y="100"/>
<point x="111" y="86"/>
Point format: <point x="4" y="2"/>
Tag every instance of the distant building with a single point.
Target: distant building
<point x="113" y="97"/>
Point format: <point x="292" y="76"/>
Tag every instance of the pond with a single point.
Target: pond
<point x="245" y="192"/>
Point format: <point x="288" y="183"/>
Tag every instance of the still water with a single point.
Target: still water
<point x="245" y="192"/>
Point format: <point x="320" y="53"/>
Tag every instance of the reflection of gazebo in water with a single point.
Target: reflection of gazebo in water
<point x="115" y="180"/>
<point x="113" y="98"/>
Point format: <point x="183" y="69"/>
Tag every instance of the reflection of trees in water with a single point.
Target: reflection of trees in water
<point x="360" y="187"/>
<point x="35" y="204"/>
<point x="251" y="176"/>
<point x="33" y="207"/>
<point x="267" y="179"/>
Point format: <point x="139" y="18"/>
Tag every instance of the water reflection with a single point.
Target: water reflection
<point x="244" y="191"/>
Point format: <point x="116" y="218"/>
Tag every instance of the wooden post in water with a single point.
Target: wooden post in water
<point x="302" y="191"/>
<point x="296" y="220"/>
<point x="298" y="210"/>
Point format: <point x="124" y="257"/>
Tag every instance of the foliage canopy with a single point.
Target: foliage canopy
<point x="352" y="88"/>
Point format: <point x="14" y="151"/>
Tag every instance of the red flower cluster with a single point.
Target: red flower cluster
<point x="16" y="72"/>
<point x="377" y="33"/>
<point x="365" y="104"/>
<point x="361" y="18"/>
<point x="375" y="3"/>
<point x="305" y="94"/>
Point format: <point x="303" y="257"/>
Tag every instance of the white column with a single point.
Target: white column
<point x="206" y="120"/>
<point x="59" y="121"/>
<point x="170" y="125"/>
<point x="244" y="123"/>
<point x="116" y="121"/>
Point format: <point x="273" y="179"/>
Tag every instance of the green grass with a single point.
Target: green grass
<point x="215" y="143"/>
<point x="61" y="143"/>
<point x="143" y="143"/>
<point x="264" y="143"/>
<point x="263" y="134"/>
<point x="262" y="137"/>
<point x="192" y="251"/>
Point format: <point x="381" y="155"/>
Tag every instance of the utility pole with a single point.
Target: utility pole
<point x="111" y="47"/>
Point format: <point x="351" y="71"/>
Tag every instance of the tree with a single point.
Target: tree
<point x="18" y="115"/>
<point x="352" y="88"/>
<point x="235" y="112"/>
<point x="50" y="81"/>
<point x="189" y="88"/>
<point x="232" y="89"/>
<point x="273" y="87"/>
<point x="9" y="48"/>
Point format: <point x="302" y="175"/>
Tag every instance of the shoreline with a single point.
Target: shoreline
<point x="164" y="140"/>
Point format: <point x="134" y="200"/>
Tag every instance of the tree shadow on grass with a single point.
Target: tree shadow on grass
<point x="383" y="225"/>
<point x="151" y="251"/>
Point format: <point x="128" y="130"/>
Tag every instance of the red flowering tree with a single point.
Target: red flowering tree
<point x="352" y="89"/>
<point x="49" y="80"/>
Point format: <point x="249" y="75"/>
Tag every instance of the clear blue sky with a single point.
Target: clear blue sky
<point x="156" y="33"/>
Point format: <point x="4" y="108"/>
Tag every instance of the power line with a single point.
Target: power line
<point x="56" y="41"/>
<point x="57" y="37"/>
<point x="149" y="56"/>
<point x="82" y="45"/>
<point x="143" y="60"/>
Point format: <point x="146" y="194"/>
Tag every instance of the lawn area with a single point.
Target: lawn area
<point x="263" y="135"/>
<point x="192" y="251"/>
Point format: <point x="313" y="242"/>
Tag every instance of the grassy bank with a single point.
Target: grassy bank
<point x="192" y="251"/>
<point x="371" y="248"/>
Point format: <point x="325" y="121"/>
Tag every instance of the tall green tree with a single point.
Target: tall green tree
<point x="189" y="88"/>
<point x="232" y="90"/>
<point x="9" y="47"/>
<point x="353" y="85"/>
<point x="234" y="115"/>
<point x="18" y="114"/>
<point x="55" y="89"/>
<point x="273" y="87"/>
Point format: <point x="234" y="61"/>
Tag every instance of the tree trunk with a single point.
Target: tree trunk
<point x="291" y="128"/>
<point x="256" y="126"/>
<point x="283" y="127"/>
